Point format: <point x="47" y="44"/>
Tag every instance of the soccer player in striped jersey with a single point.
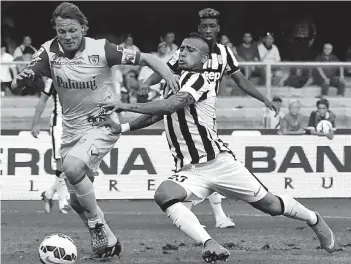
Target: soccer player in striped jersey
<point x="80" y="68"/>
<point x="221" y="61"/>
<point x="205" y="165"/>
<point x="55" y="132"/>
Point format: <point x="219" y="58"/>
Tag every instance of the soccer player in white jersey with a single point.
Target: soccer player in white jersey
<point x="205" y="164"/>
<point x="80" y="68"/>
<point x="55" y="132"/>
<point x="221" y="60"/>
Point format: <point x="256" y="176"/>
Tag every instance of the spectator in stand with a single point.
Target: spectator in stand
<point x="8" y="71"/>
<point x="348" y="59"/>
<point x="269" y="52"/>
<point x="27" y="42"/>
<point x="26" y="57"/>
<point x="248" y="51"/>
<point x="322" y="113"/>
<point x="169" y="38"/>
<point x="145" y="72"/>
<point x="328" y="76"/>
<point x="270" y="118"/>
<point x="292" y="123"/>
<point x="129" y="44"/>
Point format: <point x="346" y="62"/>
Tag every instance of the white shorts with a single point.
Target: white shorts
<point x="224" y="175"/>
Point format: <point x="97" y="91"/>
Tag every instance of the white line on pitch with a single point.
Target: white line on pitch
<point x="252" y="215"/>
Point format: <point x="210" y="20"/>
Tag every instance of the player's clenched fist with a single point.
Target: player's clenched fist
<point x="25" y="75"/>
<point x="105" y="121"/>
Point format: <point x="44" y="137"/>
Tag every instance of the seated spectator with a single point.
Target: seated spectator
<point x="348" y="59"/>
<point x="130" y="87"/>
<point x="269" y="52"/>
<point x="322" y="113"/>
<point x="27" y="42"/>
<point x="270" y="118"/>
<point x="27" y="57"/>
<point x="169" y="38"/>
<point x="292" y="122"/>
<point x="328" y="76"/>
<point x="8" y="71"/>
<point x="248" y="51"/>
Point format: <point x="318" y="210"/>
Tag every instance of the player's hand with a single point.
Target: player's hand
<point x="173" y="83"/>
<point x="105" y="121"/>
<point x="35" y="131"/>
<point x="144" y="89"/>
<point x="111" y="106"/>
<point x="25" y="77"/>
<point x="271" y="106"/>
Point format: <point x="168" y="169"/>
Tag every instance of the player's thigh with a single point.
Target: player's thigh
<point x="91" y="147"/>
<point x="231" y="178"/>
<point x="193" y="183"/>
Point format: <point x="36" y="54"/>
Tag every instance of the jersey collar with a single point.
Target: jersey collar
<point x="56" y="47"/>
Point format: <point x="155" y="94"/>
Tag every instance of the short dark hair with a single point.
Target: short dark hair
<point x="28" y="50"/>
<point x="69" y="10"/>
<point x="323" y="101"/>
<point x="277" y="99"/>
<point x="209" y="13"/>
<point x="195" y="35"/>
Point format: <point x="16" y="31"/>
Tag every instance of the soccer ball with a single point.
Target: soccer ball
<point x="57" y="249"/>
<point x="324" y="126"/>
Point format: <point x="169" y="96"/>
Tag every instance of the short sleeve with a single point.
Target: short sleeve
<point x="232" y="64"/>
<point x="117" y="55"/>
<point x="195" y="84"/>
<point x="173" y="62"/>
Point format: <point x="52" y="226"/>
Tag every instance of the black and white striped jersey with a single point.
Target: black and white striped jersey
<point x="222" y="61"/>
<point x="192" y="131"/>
<point x="56" y="115"/>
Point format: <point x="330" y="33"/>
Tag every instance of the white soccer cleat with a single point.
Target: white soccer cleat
<point x="214" y="251"/>
<point x="65" y="209"/>
<point x="224" y="222"/>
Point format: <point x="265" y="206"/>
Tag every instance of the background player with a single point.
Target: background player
<point x="80" y="68"/>
<point x="221" y="60"/>
<point x="204" y="163"/>
<point x="55" y="132"/>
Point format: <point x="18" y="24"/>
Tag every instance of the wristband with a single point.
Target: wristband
<point x="125" y="127"/>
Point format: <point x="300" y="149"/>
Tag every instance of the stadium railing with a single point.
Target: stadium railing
<point x="268" y="68"/>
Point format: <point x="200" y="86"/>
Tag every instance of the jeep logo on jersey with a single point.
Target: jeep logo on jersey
<point x="93" y="59"/>
<point x="212" y="76"/>
<point x="69" y="84"/>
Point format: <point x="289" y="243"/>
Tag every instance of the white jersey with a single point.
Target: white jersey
<point x="192" y="131"/>
<point x="82" y="81"/>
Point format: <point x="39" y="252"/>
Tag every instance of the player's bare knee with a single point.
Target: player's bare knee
<point x="73" y="168"/>
<point x="169" y="193"/>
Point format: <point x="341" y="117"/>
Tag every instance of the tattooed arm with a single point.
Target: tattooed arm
<point x="144" y="121"/>
<point x="160" y="107"/>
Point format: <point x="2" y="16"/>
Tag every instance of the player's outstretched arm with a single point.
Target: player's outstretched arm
<point x="153" y="79"/>
<point x="138" y="123"/>
<point x="246" y="86"/>
<point x="39" y="109"/>
<point x="159" y="107"/>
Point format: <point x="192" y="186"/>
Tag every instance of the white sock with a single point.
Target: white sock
<point x="62" y="192"/>
<point x="49" y="193"/>
<point x="187" y="222"/>
<point x="215" y="200"/>
<point x="293" y="209"/>
<point x="111" y="238"/>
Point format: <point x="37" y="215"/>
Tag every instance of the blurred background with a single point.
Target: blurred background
<point x="298" y="31"/>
